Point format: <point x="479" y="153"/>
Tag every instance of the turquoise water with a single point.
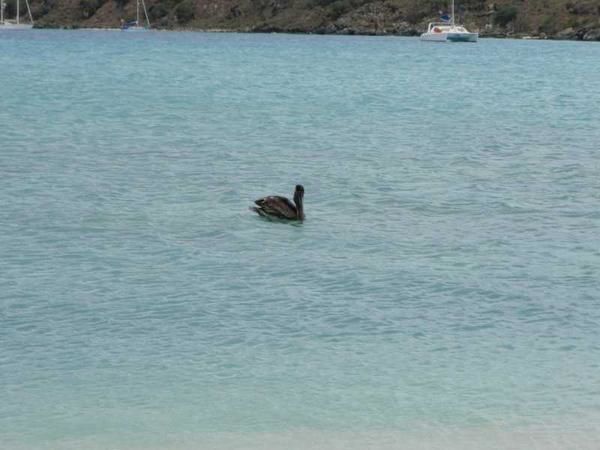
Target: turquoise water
<point x="446" y="280"/>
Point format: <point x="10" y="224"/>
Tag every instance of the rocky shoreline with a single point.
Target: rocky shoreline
<point x="592" y="34"/>
<point x="577" y="20"/>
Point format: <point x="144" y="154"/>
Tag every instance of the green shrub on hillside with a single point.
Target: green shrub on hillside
<point x="158" y="11"/>
<point x="339" y="8"/>
<point x="89" y="7"/>
<point x="550" y="25"/>
<point x="323" y="3"/>
<point x="505" y="15"/>
<point x="185" y="11"/>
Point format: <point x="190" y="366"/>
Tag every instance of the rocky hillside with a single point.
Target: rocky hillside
<point x="562" y="19"/>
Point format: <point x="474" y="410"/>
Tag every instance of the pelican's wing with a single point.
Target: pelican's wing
<point x="277" y="206"/>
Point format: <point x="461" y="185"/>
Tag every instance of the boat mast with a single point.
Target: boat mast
<point x="146" y="14"/>
<point x="452" y="12"/>
<point x="17" y="12"/>
<point x="29" y="11"/>
<point x="1" y="12"/>
<point x="137" y="18"/>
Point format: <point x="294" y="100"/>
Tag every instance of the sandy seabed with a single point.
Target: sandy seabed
<point x="587" y="437"/>
<point x="387" y="440"/>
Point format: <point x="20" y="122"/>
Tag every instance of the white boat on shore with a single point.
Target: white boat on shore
<point x="448" y="31"/>
<point x="134" y="25"/>
<point x="15" y="24"/>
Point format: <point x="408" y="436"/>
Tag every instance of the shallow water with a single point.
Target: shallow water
<point x="444" y="287"/>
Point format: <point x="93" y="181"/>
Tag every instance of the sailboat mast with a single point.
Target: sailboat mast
<point x="18" y="12"/>
<point x="29" y="12"/>
<point x="137" y="19"/>
<point x="146" y="14"/>
<point x="1" y="12"/>
<point x="452" y="12"/>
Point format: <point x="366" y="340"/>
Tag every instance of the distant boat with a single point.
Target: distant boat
<point x="134" y="25"/>
<point x="15" y="24"/>
<point x="448" y="31"/>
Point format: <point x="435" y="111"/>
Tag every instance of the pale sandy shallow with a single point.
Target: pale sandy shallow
<point x="310" y="440"/>
<point x="587" y="437"/>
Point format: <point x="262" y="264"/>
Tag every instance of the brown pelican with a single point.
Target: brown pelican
<point x="281" y="207"/>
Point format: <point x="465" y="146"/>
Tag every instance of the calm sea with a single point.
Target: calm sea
<point x="444" y="291"/>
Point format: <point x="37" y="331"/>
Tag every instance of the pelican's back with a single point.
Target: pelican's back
<point x="276" y="206"/>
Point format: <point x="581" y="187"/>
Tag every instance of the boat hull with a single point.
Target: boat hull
<point x="134" y="29"/>
<point x="450" y="37"/>
<point x="462" y="37"/>
<point x="434" y="37"/>
<point x="15" y="27"/>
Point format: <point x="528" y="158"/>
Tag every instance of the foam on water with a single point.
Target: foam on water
<point x="446" y="278"/>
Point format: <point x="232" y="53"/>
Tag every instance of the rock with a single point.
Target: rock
<point x="567" y="33"/>
<point x="493" y="34"/>
<point x="592" y="35"/>
<point x="404" y="29"/>
<point x="345" y="31"/>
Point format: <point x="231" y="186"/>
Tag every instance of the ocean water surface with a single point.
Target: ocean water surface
<point x="444" y="291"/>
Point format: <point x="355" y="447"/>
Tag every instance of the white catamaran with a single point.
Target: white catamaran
<point x="134" y="25"/>
<point x="448" y="31"/>
<point x="15" y="24"/>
